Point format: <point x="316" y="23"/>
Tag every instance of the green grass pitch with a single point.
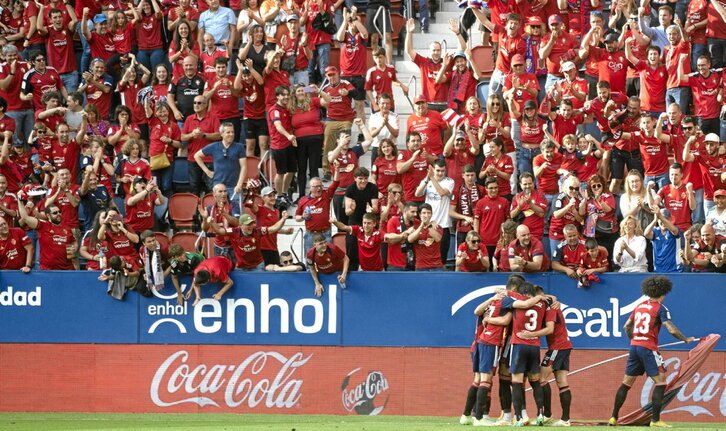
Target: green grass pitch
<point x="207" y="421"/>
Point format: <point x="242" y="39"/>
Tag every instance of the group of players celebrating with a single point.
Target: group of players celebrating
<point x="507" y="343"/>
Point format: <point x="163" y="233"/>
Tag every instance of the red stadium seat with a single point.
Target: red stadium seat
<point x="182" y="208"/>
<point x="482" y="58"/>
<point x="185" y="239"/>
<point x="339" y="240"/>
<point x="164" y="242"/>
<point x="208" y="200"/>
<point x="253" y="170"/>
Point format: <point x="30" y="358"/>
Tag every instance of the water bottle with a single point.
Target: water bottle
<point x="307" y="213"/>
<point x="102" y="260"/>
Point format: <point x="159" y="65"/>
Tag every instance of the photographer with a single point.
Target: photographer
<point x="120" y="239"/>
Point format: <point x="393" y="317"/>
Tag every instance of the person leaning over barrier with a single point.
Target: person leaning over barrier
<point x="287" y="264"/>
<point x="214" y="269"/>
<point x="326" y="258"/>
<point x="181" y="263"/>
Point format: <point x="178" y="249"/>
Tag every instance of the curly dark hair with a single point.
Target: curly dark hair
<point x="656" y="286"/>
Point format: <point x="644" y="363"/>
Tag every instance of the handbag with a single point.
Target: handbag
<point x="160" y="161"/>
<point x="603" y="226"/>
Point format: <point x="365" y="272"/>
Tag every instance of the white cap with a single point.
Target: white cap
<point x="712" y="137"/>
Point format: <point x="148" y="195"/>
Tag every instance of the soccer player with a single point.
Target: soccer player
<point x="642" y="328"/>
<point x="528" y="315"/>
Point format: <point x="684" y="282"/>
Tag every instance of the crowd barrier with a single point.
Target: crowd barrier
<point x="388" y="344"/>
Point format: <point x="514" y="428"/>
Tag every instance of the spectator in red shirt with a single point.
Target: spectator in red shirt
<point x="59" y="44"/>
<point x="510" y="44"/>
<point x="531" y="133"/>
<point x="472" y="256"/>
<point x="490" y="212"/>
<point x="707" y="87"/>
<point x="200" y="130"/>
<point x="369" y="241"/>
<point x="611" y="61"/>
<point x="425" y="239"/>
<point x="380" y="79"/>
<point x="224" y="96"/>
<point x="100" y="39"/>
<point x="462" y="80"/>
<point x="598" y="209"/>
<point x="283" y="143"/>
<point x="709" y="159"/>
<point x="140" y="204"/>
<point x="57" y="243"/>
<point x="571" y="87"/>
<point x="413" y="165"/>
<point x="594" y="261"/>
<point x="526" y="254"/>
<point x="463" y="201"/>
<point x="164" y="137"/>
<point x="569" y="253"/>
<point x="212" y="270"/>
<point x="16" y="249"/>
<point x="340" y="113"/>
<point x="625" y="152"/>
<point x="565" y="210"/>
<point x="429" y="125"/>
<point x="182" y="46"/>
<point x="305" y="108"/>
<point x="250" y="85"/>
<point x="500" y="258"/>
<point x="11" y="81"/>
<point x="677" y="197"/>
<point x="352" y="35"/>
<point x="398" y="229"/>
<point x="529" y="206"/>
<point x="325" y="258"/>
<point x="40" y="80"/>
<point x="428" y="68"/>
<point x="559" y="46"/>
<point x="314" y="209"/>
<point x="97" y="86"/>
<point x="653" y="78"/>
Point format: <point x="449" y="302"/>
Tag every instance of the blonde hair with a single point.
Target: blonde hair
<point x="628" y="191"/>
<point x="638" y="228"/>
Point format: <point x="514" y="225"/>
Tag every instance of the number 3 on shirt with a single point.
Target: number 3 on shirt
<point x="642" y="323"/>
<point x="531" y="324"/>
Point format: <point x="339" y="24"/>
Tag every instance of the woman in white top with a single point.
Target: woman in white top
<point x="251" y="14"/>
<point x="637" y="199"/>
<point x="629" y="249"/>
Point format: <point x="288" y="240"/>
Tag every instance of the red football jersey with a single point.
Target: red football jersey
<point x="472" y="262"/>
<point x="353" y="54"/>
<point x="224" y="103"/>
<point x="12" y="249"/>
<point x="427" y="251"/>
<point x="219" y="268"/>
<point x="676" y="200"/>
<point x="59" y="46"/>
<point x="549" y="177"/>
<point x="654" y="153"/>
<point x="413" y="176"/>
<point x="529" y="253"/>
<point x="557" y="340"/>
<point x="207" y="124"/>
<point x="429" y="70"/>
<point x="430" y="128"/>
<point x="339" y="108"/>
<point x="534" y="222"/>
<point x="568" y="256"/>
<point x="369" y="249"/>
<point x="53" y="241"/>
<point x="329" y="262"/>
<point x="140" y="217"/>
<point x="491" y="213"/>
<point x="247" y="248"/>
<point x="652" y="87"/>
<point x="317" y="208"/>
<point x="705" y="94"/>
<point x="531" y="319"/>
<point x="647" y="319"/>
<point x="493" y="334"/>
<point x="612" y="67"/>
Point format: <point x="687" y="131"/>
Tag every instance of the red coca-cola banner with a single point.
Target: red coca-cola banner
<point x="310" y="380"/>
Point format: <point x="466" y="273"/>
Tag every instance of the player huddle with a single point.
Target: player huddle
<point x="507" y="343"/>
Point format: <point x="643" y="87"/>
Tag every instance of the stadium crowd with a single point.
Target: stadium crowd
<point x="594" y="145"/>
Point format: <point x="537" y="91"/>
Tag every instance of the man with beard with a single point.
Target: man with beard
<point x="16" y="249"/>
<point x="57" y="243"/>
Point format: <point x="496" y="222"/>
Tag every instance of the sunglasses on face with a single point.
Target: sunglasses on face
<point x="572" y="189"/>
<point x="396" y="192"/>
<point x="689" y="128"/>
<point x="54" y="212"/>
<point x="475" y="241"/>
<point x="286" y="262"/>
<point x="198" y="103"/>
<point x="596" y="186"/>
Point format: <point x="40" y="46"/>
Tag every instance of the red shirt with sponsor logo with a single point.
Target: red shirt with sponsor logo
<point x="102" y="45"/>
<point x="564" y="49"/>
<point x="426" y="250"/>
<point x="395" y="256"/>
<point x="141" y="216"/>
<point x="317" y="208"/>
<point x="558" y="339"/>
<point x="531" y="132"/>
<point x="508" y="48"/>
<point x="493" y="334"/>
<point x="53" y="241"/>
<point x="455" y="163"/>
<point x="254" y="94"/>
<point x="289" y="44"/>
<point x="501" y="254"/>
<point x="569" y="256"/>
<point x="490" y="131"/>
<point x="705" y="93"/>
<point x="386" y="173"/>
<point x="548" y="178"/>
<point x="504" y="164"/>
<point x="716" y="27"/>
<point x="652" y="87"/>
<point x="307" y="123"/>
<point x="224" y="103"/>
<point x="531" y="319"/>
<point x="14" y="87"/>
<point x="472" y="260"/>
<point x="178" y="68"/>
<point x="208" y="71"/>
<point x="369" y="249"/>
<point x="491" y="213"/>
<point x="129" y="97"/>
<point x="215" y="212"/>
<point x="612" y="67"/>
<point x="691" y="170"/>
<point x="12" y="250"/>
<point x="711" y="168"/>
<point x="209" y="123"/>
<point x="654" y="153"/>
<point x="329" y="262"/>
<point x="99" y="98"/>
<point x="339" y="108"/>
<point x="69" y="213"/>
<point x="671" y="59"/>
<point x="271" y="81"/>
<point x="59" y="47"/>
<point x="570" y="217"/>
<point x="596" y="107"/>
<point x="157" y="130"/>
<point x="10" y="201"/>
<point x="149" y="32"/>
<point x="565" y="89"/>
<point x="432" y="91"/>
<point x="413" y="176"/>
<point x="66" y="156"/>
<point x="381" y="81"/>
<point x="430" y="127"/>
<point x="31" y="12"/>
<point x="562" y="126"/>
<point x="600" y="261"/>
<point x="120" y="245"/>
<point x="697" y="12"/>
<point x="267" y="217"/>
<point x="527" y="80"/>
<point x="123" y="38"/>
<point x="247" y="248"/>
<point x="129" y="169"/>
<point x="347" y="164"/>
<point x="534" y="222"/>
<point x="528" y="253"/>
<point x="40" y="83"/>
<point x="647" y="319"/>
<point x="571" y="161"/>
<point x="676" y="200"/>
<point x="353" y="54"/>
<point x="219" y="268"/>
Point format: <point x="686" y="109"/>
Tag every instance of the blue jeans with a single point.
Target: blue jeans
<point x="150" y="58"/>
<point x="553" y="243"/>
<point x="680" y="96"/>
<point x="661" y="180"/>
<point x="70" y="81"/>
<point x="308" y="239"/>
<point x="707" y="205"/>
<point x="717" y="49"/>
<point x="33" y="236"/>
<point x="697" y="50"/>
<point x="23" y="123"/>
<point x="524" y="159"/>
<point x="86" y="53"/>
<point x="550" y="82"/>
<point x="548" y="215"/>
<point x="722" y="130"/>
<point x="698" y="215"/>
<point x="321" y="57"/>
<point x="164" y="179"/>
<point x="423" y="14"/>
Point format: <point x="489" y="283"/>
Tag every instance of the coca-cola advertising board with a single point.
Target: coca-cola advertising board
<point x="309" y="380"/>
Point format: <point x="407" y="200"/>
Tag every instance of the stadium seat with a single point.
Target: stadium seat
<point x="187" y="240"/>
<point x="162" y="239"/>
<point x="339" y="240"/>
<point x="182" y="209"/>
<point x="481" y="56"/>
<point x="253" y="167"/>
<point x="180" y="175"/>
<point x="208" y="200"/>
<point x="398" y="23"/>
<point x="334" y="57"/>
<point x="281" y="29"/>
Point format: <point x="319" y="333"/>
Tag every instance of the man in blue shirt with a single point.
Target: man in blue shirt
<point x="228" y="161"/>
<point x="664" y="236"/>
<point x="218" y="21"/>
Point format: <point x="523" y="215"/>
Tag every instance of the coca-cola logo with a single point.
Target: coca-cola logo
<point x="361" y="397"/>
<point x="261" y="378"/>
<point x="703" y="388"/>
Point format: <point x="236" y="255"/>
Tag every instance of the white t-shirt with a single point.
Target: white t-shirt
<point x="439" y="204"/>
<point x="376" y="120"/>
<point x="717" y="220"/>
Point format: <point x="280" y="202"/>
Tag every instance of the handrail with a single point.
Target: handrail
<point x="375" y="21"/>
<point x="292" y="242"/>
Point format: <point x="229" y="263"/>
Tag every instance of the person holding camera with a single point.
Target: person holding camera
<point x="268" y="216"/>
<point x="296" y="59"/>
<point x="140" y="204"/>
<point x="121" y="240"/>
<point x="353" y="66"/>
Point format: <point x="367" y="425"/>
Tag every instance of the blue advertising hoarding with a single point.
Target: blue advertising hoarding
<point x="376" y="309"/>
